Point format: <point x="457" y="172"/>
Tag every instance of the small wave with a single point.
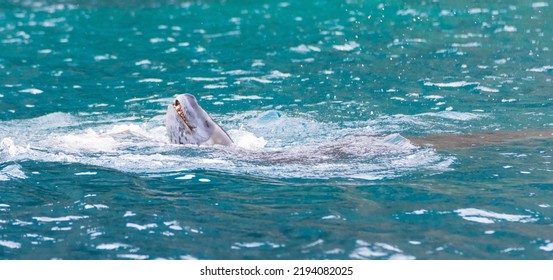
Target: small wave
<point x="537" y="5"/>
<point x="150" y="80"/>
<point x="133" y="256"/>
<point x="548" y="247"/>
<point x="487" y="89"/>
<point x="349" y="46"/>
<point x="467" y="45"/>
<point x="452" y="115"/>
<point x="59" y="219"/>
<point x="379" y="250"/>
<point x="10" y="244"/>
<point x="547" y="68"/>
<point x="112" y="246"/>
<point x="252" y="245"/>
<point x="12" y="172"/>
<point x="206" y="79"/>
<point x="32" y="91"/>
<point x="457" y="84"/>
<point x="488" y="217"/>
<point x="255" y="79"/>
<point x="305" y="49"/>
<point x="141" y="227"/>
<point x="236" y="97"/>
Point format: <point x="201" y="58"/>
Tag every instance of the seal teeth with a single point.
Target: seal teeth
<point x="180" y="112"/>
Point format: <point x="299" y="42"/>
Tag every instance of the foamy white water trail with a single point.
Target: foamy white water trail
<point x="268" y="144"/>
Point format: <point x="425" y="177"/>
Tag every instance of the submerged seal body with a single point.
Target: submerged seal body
<point x="188" y="123"/>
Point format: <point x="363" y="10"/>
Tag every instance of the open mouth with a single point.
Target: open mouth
<point x="180" y="112"/>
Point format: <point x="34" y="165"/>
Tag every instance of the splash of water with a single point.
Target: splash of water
<point x="290" y="147"/>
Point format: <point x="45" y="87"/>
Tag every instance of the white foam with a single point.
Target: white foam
<point x="330" y="217"/>
<point x="548" y="247"/>
<point x="217" y="86"/>
<point x="236" y="97"/>
<point x="267" y="143"/>
<point x="452" y="115"/>
<point x="95" y="206"/>
<point x="206" y="79"/>
<point x="467" y="45"/>
<point x="112" y="246"/>
<point x="174" y="225"/>
<point x="537" y="5"/>
<point x="407" y="12"/>
<point x="305" y="49"/>
<point x="457" y="84"/>
<point x="104" y="57"/>
<point x="473" y="11"/>
<point x="275" y="74"/>
<point x="185" y="177"/>
<point x="349" y="46"/>
<point x="150" y="80"/>
<point x="258" y="63"/>
<point x="85" y="173"/>
<point x="136" y="99"/>
<point x="486" y="89"/>
<point x="365" y="250"/>
<point x="10" y="244"/>
<point x="433" y="97"/>
<point x="509" y="28"/>
<point x="247" y="140"/>
<point x="143" y="62"/>
<point x="59" y="219"/>
<point x="132" y="256"/>
<point x="401" y="257"/>
<point x="417" y="212"/>
<point x="238" y="72"/>
<point x="32" y="91"/>
<point x="60" y="228"/>
<point x="12" y="171"/>
<point x="542" y="69"/>
<point x="255" y="79"/>
<point x="129" y="214"/>
<point x="250" y="245"/>
<point x="488" y="217"/>
<point x="88" y="141"/>
<point x="141" y="227"/>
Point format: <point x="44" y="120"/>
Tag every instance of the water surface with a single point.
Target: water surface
<point x="318" y="96"/>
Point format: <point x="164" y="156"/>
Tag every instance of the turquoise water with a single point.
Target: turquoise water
<point x="317" y="96"/>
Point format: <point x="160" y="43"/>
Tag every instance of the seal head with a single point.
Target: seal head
<point x="188" y="123"/>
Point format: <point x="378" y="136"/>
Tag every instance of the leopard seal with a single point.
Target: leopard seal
<point x="188" y="123"/>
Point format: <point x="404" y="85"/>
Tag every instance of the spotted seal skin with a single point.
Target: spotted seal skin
<point x="188" y="123"/>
